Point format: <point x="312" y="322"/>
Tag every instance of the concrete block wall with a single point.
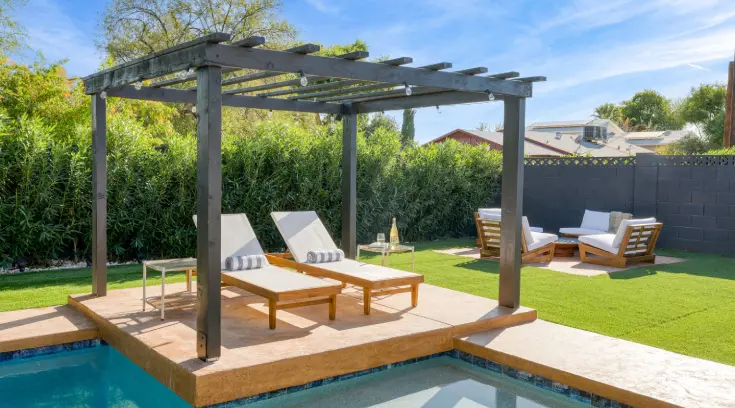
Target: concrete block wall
<point x="694" y="197"/>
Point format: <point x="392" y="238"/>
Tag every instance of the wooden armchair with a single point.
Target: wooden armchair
<point x="637" y="245"/>
<point x="488" y="235"/>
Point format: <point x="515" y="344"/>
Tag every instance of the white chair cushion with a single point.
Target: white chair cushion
<point x="624" y="226"/>
<point x="494" y="214"/>
<point x="489" y="213"/>
<point x="596" y="220"/>
<point x="580" y="231"/>
<point x="600" y="241"/>
<point x="540" y="239"/>
<point x="526" y="228"/>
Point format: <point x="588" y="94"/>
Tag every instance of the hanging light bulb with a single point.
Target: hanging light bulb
<point x="437" y="110"/>
<point x="270" y="113"/>
<point x="138" y="85"/>
<point x="181" y="74"/>
<point x="490" y="96"/>
<point x="408" y="89"/>
<point x="103" y="95"/>
<point x="194" y="109"/>
<point x="304" y="80"/>
<point x="190" y="71"/>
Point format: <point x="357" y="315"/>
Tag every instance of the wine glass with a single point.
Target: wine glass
<point x="381" y="238"/>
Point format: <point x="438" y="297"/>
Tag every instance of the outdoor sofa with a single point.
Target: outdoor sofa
<point x="303" y="232"/>
<point x="283" y="288"/>
<point x="634" y="241"/>
<point x="596" y="222"/>
<point x="492" y="214"/>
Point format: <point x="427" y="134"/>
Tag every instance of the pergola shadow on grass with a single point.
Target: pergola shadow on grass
<point x="342" y="85"/>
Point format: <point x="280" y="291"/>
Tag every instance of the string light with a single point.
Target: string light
<point x="190" y="72"/>
<point x="103" y="95"/>
<point x="490" y="96"/>
<point x="270" y="113"/>
<point x="138" y="85"/>
<point x="408" y="89"/>
<point x="181" y="74"/>
<point x="303" y="81"/>
<point x="194" y="109"/>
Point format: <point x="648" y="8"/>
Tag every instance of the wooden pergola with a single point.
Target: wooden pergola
<point x="342" y="85"/>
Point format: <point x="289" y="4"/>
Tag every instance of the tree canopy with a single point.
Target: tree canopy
<point x="133" y="28"/>
<point x="11" y="33"/>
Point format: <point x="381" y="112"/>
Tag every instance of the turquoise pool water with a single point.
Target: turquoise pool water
<point x="92" y="377"/>
<point x="436" y="383"/>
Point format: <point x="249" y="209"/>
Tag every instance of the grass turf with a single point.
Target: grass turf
<point x="685" y="307"/>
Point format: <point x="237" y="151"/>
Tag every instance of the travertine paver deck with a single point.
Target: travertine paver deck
<point x="305" y="346"/>
<point x="29" y="328"/>
<point x="628" y="372"/>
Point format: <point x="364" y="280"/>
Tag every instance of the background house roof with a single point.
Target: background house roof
<point x="529" y="148"/>
<point x="575" y="144"/>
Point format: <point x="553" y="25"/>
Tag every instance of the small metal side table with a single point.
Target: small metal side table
<point x="385" y="251"/>
<point x="169" y="265"/>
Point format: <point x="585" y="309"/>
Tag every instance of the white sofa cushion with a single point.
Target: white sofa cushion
<point x="596" y="220"/>
<point x="624" y="226"/>
<point x="580" y="231"/>
<point x="540" y="239"/>
<point x="489" y="213"/>
<point x="494" y="214"/>
<point x="600" y="241"/>
<point x="526" y="228"/>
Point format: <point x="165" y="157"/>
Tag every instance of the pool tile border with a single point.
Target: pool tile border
<point x="480" y="362"/>
<point x="47" y="350"/>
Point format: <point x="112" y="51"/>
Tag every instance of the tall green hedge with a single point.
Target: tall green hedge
<point x="45" y="187"/>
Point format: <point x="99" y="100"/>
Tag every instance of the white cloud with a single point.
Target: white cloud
<point x="52" y="32"/>
<point x="323" y="7"/>
<point x="695" y="66"/>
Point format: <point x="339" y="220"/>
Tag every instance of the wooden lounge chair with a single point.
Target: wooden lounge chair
<point x="303" y="231"/>
<point x="283" y="288"/>
<point x="541" y="248"/>
<point x="634" y="241"/>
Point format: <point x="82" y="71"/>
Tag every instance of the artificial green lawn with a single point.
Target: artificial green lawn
<point x="687" y="308"/>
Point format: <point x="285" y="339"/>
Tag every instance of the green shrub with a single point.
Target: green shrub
<point x="45" y="186"/>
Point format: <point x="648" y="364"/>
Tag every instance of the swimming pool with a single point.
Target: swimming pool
<point x="435" y="383"/>
<point x="90" y="377"/>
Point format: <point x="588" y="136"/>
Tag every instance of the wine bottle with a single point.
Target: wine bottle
<point x="394" y="235"/>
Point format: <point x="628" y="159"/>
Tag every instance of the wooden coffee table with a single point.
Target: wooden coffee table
<point x="565" y="247"/>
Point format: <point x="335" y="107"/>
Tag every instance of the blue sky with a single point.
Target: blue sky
<point x="592" y="51"/>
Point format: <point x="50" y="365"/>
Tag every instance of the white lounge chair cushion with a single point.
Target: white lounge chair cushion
<point x="357" y="269"/>
<point x="526" y="228"/>
<point x="624" y="226"/>
<point x="303" y="231"/>
<point x="279" y="280"/>
<point x="600" y="241"/>
<point x="494" y="214"/>
<point x="540" y="239"/>
<point x="596" y="220"/>
<point x="238" y="238"/>
<point x="580" y="231"/>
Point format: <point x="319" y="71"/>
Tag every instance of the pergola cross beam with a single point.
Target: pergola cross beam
<point x="430" y="86"/>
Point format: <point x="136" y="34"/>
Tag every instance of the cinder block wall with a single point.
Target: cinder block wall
<point x="693" y="196"/>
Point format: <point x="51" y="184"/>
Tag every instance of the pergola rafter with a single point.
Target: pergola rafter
<point x="348" y="85"/>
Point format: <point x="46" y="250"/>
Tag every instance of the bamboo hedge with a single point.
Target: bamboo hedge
<point x="45" y="187"/>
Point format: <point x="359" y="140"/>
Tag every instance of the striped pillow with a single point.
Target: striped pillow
<point x="332" y="255"/>
<point x="240" y="263"/>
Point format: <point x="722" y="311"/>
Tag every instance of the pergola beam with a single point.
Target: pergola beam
<point x="261" y="59"/>
<point x="317" y="87"/>
<point x="421" y="101"/>
<point x="372" y="87"/>
<point x="180" y="57"/>
<point x="240" y="101"/>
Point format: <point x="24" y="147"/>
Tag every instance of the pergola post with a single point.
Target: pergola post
<point x="99" y="192"/>
<point x="512" y="202"/>
<point x="209" y="210"/>
<point x="349" y="181"/>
